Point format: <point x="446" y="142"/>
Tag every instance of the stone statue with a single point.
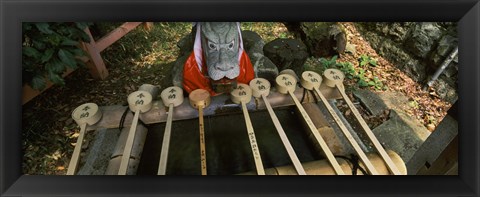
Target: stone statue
<point x="222" y="48"/>
<point x="219" y="59"/>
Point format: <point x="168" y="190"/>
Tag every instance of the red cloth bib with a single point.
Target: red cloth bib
<point x="194" y="79"/>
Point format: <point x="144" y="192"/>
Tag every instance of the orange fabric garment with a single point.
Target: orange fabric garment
<point x="194" y="79"/>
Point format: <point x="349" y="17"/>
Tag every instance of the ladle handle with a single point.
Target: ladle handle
<point x="316" y="134"/>
<point x="166" y="142"/>
<point x="286" y="143"/>
<point x="203" y="153"/>
<point x="72" y="166"/>
<point x="253" y="141"/>
<point x="347" y="134"/>
<point x="127" y="150"/>
<point x="393" y="168"/>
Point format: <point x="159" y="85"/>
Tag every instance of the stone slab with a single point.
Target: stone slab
<point x="402" y="134"/>
<point x="377" y="103"/>
<point x="98" y="154"/>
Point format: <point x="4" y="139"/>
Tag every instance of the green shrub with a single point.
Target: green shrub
<point x="367" y="60"/>
<point x="346" y="67"/>
<point x="351" y="73"/>
<point x="48" y="49"/>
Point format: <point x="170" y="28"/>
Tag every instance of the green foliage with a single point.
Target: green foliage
<point x="362" y="81"/>
<point x="367" y="60"/>
<point x="264" y="29"/>
<point x="346" y="67"/>
<point x="316" y="30"/>
<point x="141" y="47"/>
<point x="351" y="73"/>
<point x="328" y="63"/>
<point x="376" y="83"/>
<point x="48" y="49"/>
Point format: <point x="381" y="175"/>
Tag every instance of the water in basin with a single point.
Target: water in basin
<point x="227" y="145"/>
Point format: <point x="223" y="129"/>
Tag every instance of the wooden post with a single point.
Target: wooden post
<point x="115" y="35"/>
<point x="94" y="61"/>
<point x="96" y="64"/>
<point x="148" y="26"/>
<point x="446" y="163"/>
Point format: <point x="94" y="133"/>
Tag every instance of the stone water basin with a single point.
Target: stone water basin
<point x="227" y="144"/>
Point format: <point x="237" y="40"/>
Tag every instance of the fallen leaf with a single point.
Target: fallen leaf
<point x="348" y="112"/>
<point x="431" y="127"/>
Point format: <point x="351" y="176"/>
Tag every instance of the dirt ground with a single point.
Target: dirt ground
<point x="49" y="133"/>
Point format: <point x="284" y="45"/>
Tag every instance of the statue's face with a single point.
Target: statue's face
<point x="220" y="44"/>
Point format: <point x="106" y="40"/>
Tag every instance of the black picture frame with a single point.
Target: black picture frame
<point x="13" y="13"/>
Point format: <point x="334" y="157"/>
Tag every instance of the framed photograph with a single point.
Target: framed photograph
<point x="350" y="45"/>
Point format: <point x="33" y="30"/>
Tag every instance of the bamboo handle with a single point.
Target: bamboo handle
<point x="347" y="134"/>
<point x="321" y="141"/>
<point x="286" y="143"/>
<point x="162" y="168"/>
<point x="203" y="154"/>
<point x="391" y="166"/>
<point x="72" y="166"/>
<point x="253" y="141"/>
<point x="129" y="145"/>
<point x="85" y="114"/>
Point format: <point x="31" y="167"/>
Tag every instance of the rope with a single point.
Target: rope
<point x="314" y="96"/>
<point x="354" y="162"/>
<point x="303" y="96"/>
<point x="122" y="119"/>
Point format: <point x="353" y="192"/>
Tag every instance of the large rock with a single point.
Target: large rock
<point x="402" y="134"/>
<point x="323" y="39"/>
<point x="186" y="44"/>
<point x="415" y="48"/>
<point x="177" y="70"/>
<point x="445" y="45"/>
<point x="423" y="38"/>
<point x="287" y="53"/>
<point x="252" y="42"/>
<point x="263" y="66"/>
<point x="445" y="89"/>
<point x="397" y="31"/>
<point x="443" y="50"/>
<point x="398" y="56"/>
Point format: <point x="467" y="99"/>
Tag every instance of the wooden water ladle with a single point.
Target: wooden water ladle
<point x="286" y="84"/>
<point x="85" y="114"/>
<point x="171" y="97"/>
<point x="200" y="99"/>
<point x="311" y="81"/>
<point x="260" y="89"/>
<point x="138" y="102"/>
<point x="242" y="94"/>
<point x="334" y="78"/>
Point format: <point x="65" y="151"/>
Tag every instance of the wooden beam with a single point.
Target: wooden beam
<point x="28" y="93"/>
<point x="113" y="114"/>
<point x="94" y="61"/>
<point x="96" y="65"/>
<point x="446" y="163"/>
<point x="148" y="26"/>
<point x="115" y="35"/>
